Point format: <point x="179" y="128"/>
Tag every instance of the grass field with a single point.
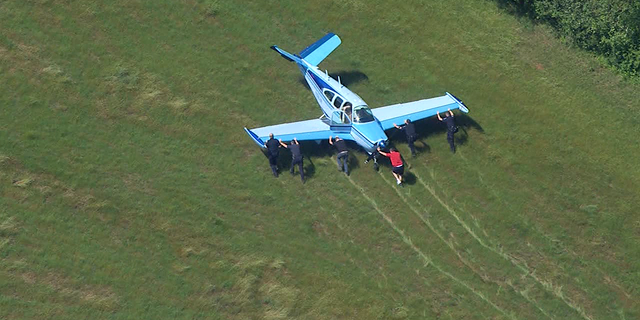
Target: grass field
<point x="130" y="191"/>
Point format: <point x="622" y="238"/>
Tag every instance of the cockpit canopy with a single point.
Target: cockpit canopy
<point x="362" y="114"/>
<point x="344" y="110"/>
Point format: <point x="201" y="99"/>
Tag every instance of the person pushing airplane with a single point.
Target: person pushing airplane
<point x="273" y="151"/>
<point x="451" y="128"/>
<point x="296" y="156"/>
<point x="410" y="131"/>
<point x="343" y="154"/>
<point x="396" y="163"/>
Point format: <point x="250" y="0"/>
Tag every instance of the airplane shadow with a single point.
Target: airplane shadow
<point x="312" y="150"/>
<point x="432" y="126"/>
<point x="424" y="128"/>
<point x="347" y="78"/>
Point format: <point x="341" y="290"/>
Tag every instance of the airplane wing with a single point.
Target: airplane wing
<point x="302" y="130"/>
<point x="416" y="110"/>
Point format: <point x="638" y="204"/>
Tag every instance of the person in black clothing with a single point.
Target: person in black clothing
<point x="343" y="154"/>
<point x="296" y="156"/>
<point x="451" y="128"/>
<point x="273" y="151"/>
<point x="410" y="131"/>
<point x="374" y="155"/>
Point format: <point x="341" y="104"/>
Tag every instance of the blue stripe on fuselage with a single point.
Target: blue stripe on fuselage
<point x="323" y="102"/>
<point x="319" y="82"/>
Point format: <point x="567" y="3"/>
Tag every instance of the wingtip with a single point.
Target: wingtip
<point x="461" y="105"/>
<point x="254" y="137"/>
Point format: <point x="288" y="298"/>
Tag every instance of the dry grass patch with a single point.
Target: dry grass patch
<point x="100" y="296"/>
<point x="259" y="290"/>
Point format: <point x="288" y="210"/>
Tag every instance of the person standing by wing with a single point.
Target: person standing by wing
<point x="451" y="128"/>
<point x="396" y="163"/>
<point x="343" y="153"/>
<point x="273" y="151"/>
<point x="410" y="131"/>
<point x="296" y="156"/>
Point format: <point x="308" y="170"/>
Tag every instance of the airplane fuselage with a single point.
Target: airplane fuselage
<point x="343" y="110"/>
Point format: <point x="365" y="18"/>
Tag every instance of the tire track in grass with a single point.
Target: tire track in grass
<point x="549" y="286"/>
<point x="449" y="244"/>
<point x="554" y="241"/>
<point x="607" y="279"/>
<point x="427" y="260"/>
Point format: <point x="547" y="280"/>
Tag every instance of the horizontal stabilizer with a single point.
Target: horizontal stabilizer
<point x="285" y="54"/>
<point x="315" y="53"/>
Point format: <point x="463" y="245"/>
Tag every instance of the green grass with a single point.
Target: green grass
<point x="129" y="189"/>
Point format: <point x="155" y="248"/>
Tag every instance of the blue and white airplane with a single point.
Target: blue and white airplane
<point x="345" y="114"/>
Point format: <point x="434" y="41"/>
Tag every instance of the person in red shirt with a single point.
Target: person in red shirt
<point x="396" y="163"/>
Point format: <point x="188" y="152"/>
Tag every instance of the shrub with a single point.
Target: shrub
<point x="610" y="28"/>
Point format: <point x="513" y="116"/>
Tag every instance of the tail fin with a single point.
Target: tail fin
<point x="315" y="53"/>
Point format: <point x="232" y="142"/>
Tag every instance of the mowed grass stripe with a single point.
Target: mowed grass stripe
<point x="522" y="266"/>
<point x="427" y="260"/>
<point x="525" y="288"/>
<point x="583" y="288"/>
<point x="555" y="242"/>
<point x="519" y="264"/>
<point x="454" y="250"/>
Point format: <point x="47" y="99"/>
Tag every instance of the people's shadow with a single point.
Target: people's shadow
<point x="310" y="150"/>
<point x="409" y="178"/>
<point x="397" y="137"/>
<point x="432" y="126"/>
<point x="284" y="159"/>
<point x="313" y="150"/>
<point x="464" y="122"/>
<point x="385" y="167"/>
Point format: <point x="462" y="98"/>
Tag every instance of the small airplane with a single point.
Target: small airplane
<point x="345" y="114"/>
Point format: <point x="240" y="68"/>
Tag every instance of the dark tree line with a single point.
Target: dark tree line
<point x="610" y="28"/>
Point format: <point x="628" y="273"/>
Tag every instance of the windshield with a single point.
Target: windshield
<point x="362" y="114"/>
